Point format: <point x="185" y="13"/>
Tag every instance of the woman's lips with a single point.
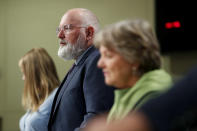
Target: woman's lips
<point x="105" y="73"/>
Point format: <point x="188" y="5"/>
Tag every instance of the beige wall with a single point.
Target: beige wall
<point x="25" y="24"/>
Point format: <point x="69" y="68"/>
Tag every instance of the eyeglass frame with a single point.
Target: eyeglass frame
<point x="67" y="28"/>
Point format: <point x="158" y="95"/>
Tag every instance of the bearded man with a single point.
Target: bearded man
<point x="83" y="93"/>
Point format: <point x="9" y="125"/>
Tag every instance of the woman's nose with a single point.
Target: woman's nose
<point x="100" y="63"/>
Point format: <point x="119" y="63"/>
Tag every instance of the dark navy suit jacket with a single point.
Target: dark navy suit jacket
<point x="176" y="109"/>
<point x="81" y="95"/>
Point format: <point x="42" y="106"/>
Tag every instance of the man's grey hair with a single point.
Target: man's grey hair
<point x="90" y="19"/>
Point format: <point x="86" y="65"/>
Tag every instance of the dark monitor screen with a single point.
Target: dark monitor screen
<point x="171" y="26"/>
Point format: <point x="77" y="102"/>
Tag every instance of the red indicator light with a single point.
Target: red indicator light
<point x="176" y="24"/>
<point x="168" y="25"/>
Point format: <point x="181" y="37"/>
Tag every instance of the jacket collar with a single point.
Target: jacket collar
<point x="82" y="57"/>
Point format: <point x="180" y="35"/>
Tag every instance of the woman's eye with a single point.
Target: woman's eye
<point x="109" y="55"/>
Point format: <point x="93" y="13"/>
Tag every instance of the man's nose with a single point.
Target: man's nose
<point x="61" y="34"/>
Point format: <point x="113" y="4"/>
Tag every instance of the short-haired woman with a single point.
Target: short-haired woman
<point x="131" y="61"/>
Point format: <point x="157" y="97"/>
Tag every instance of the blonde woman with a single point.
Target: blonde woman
<point x="40" y="85"/>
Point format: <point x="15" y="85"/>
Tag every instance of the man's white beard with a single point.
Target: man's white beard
<point x="72" y="51"/>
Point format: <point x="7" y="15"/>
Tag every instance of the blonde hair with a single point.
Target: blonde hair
<point x="40" y="77"/>
<point x="134" y="40"/>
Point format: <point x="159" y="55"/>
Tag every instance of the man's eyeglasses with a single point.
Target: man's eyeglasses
<point x="67" y="28"/>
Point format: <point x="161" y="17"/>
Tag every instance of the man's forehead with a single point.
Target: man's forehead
<point x="70" y="18"/>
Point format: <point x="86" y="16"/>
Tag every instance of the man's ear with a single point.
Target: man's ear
<point x="89" y="33"/>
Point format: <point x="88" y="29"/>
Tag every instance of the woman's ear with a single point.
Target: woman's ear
<point x="135" y="68"/>
<point x="89" y="33"/>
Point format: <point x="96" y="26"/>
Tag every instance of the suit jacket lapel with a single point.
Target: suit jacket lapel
<point x="55" y="99"/>
<point x="65" y="85"/>
<point x="68" y="78"/>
